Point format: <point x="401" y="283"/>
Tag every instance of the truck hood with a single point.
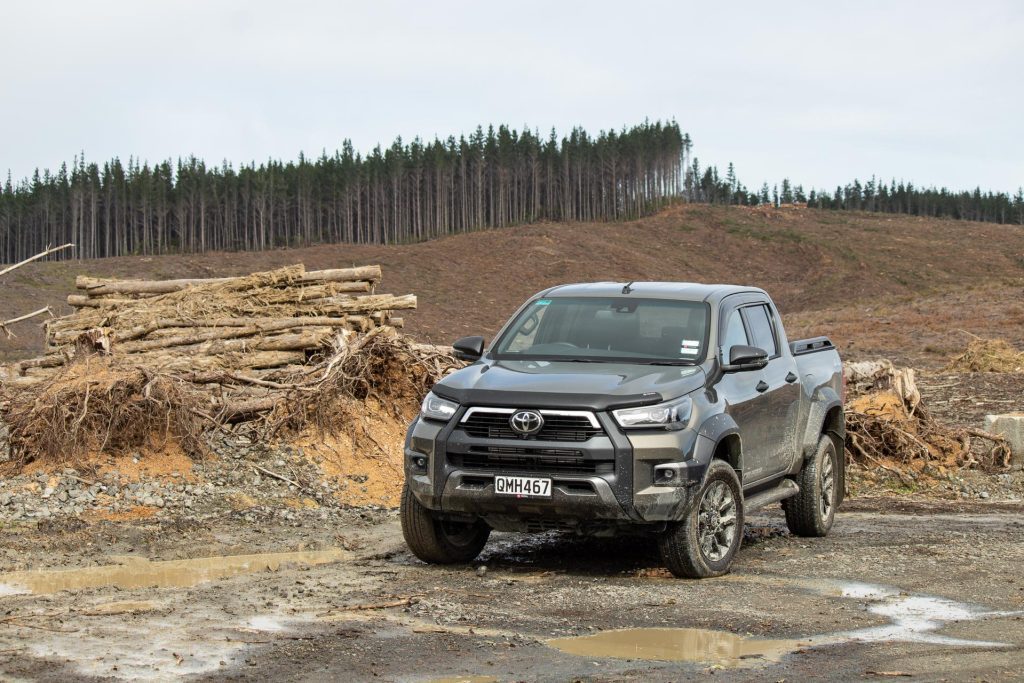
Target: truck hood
<point x="561" y="384"/>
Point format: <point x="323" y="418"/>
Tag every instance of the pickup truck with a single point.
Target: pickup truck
<point x="663" y="408"/>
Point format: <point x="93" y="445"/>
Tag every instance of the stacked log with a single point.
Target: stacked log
<point x="260" y="321"/>
<point x="283" y="348"/>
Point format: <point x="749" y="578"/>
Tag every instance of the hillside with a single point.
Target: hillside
<point x="873" y="280"/>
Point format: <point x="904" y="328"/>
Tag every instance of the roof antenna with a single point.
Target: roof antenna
<point x="627" y="289"/>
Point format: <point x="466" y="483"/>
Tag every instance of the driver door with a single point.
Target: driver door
<point x="746" y="401"/>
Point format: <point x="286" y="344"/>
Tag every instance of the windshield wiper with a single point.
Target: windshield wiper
<point x="581" y="360"/>
<point x="667" y="362"/>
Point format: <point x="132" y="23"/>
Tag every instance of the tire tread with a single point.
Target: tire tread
<point x="802" y="512"/>
<point x="426" y="539"/>
<point x="680" y="546"/>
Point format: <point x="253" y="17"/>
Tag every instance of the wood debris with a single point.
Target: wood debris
<point x="281" y="349"/>
<point x="889" y="428"/>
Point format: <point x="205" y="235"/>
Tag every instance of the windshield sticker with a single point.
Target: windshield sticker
<point x="692" y="343"/>
<point x="543" y="302"/>
<point x="688" y="351"/>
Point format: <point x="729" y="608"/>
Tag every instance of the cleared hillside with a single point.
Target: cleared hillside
<point x="810" y="260"/>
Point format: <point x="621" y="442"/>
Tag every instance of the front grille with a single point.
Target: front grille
<point x="529" y="461"/>
<point x="484" y="425"/>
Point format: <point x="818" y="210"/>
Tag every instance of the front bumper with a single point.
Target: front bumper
<point x="624" y="492"/>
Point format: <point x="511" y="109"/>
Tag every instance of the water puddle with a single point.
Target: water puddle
<point x="914" y="618"/>
<point x="141" y="573"/>
<point x="911" y="619"/>
<point x="676" y="645"/>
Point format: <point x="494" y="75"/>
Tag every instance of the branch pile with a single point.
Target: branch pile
<point x="143" y="360"/>
<point x="889" y="428"/>
<point x="988" y="355"/>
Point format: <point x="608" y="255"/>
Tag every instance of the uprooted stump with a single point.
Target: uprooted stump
<point x="889" y="428"/>
<point x="98" y="404"/>
<point x="118" y="404"/>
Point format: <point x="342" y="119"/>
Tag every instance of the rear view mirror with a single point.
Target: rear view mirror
<point x="469" y="348"/>
<point x="746" y="358"/>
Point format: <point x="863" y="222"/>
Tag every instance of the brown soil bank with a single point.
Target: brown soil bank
<point x="808" y="259"/>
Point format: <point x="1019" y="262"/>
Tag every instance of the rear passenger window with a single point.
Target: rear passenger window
<point x="734" y="334"/>
<point x="761" y="329"/>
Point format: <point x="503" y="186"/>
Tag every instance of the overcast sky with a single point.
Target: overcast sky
<point x="819" y="92"/>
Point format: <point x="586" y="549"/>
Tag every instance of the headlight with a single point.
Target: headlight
<point x="437" y="408"/>
<point x="665" y="414"/>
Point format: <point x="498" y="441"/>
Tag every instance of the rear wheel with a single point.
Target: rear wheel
<point x="438" y="541"/>
<point x="812" y="511"/>
<point x="704" y="543"/>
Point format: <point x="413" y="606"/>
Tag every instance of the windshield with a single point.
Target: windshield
<point x="608" y="329"/>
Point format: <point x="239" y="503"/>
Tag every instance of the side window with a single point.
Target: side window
<point x="734" y="335"/>
<point x="761" y="329"/>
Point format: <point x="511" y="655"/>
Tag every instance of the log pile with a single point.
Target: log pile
<point x="283" y="349"/>
<point x="256" y="322"/>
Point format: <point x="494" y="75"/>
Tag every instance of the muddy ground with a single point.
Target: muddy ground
<point x="929" y="589"/>
<point x="234" y="579"/>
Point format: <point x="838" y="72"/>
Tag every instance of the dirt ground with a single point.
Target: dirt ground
<point x="220" y="570"/>
<point x="921" y="590"/>
<point x="921" y="584"/>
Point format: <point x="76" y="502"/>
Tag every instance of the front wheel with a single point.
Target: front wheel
<point x="704" y="543"/>
<point x="438" y="541"/>
<point x="812" y="511"/>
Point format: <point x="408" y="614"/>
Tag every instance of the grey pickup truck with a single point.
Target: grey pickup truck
<point x="647" y="407"/>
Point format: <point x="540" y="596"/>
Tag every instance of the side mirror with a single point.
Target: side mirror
<point x="746" y="358"/>
<point x="469" y="348"/>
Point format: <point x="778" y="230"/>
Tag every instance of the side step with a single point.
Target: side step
<point x="787" y="488"/>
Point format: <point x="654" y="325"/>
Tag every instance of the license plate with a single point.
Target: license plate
<point x="522" y="486"/>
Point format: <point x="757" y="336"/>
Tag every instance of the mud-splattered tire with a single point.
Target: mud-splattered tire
<point x="704" y="543"/>
<point x="436" y="541"/>
<point x="812" y="511"/>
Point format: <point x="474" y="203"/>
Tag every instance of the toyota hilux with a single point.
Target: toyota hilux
<point x="669" y="409"/>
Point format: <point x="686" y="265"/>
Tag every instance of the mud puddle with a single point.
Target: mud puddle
<point x="677" y="645"/>
<point x="141" y="573"/>
<point x="912" y="619"/>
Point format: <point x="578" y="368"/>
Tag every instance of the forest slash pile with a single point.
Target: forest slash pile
<point x="890" y="433"/>
<point x="988" y="355"/>
<point x="284" y="351"/>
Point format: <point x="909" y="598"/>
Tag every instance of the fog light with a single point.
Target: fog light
<point x="420" y="462"/>
<point x="667" y="474"/>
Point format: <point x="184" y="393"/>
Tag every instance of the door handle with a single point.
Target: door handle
<point x="791" y="378"/>
<point x="761" y="387"/>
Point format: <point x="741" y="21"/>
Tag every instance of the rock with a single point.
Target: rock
<point x="1010" y="426"/>
<point x="983" y="495"/>
<point x="481" y="570"/>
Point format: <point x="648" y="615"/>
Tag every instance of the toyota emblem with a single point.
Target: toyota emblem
<point x="526" y="422"/>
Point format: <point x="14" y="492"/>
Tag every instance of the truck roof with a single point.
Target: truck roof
<point x="682" y="291"/>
